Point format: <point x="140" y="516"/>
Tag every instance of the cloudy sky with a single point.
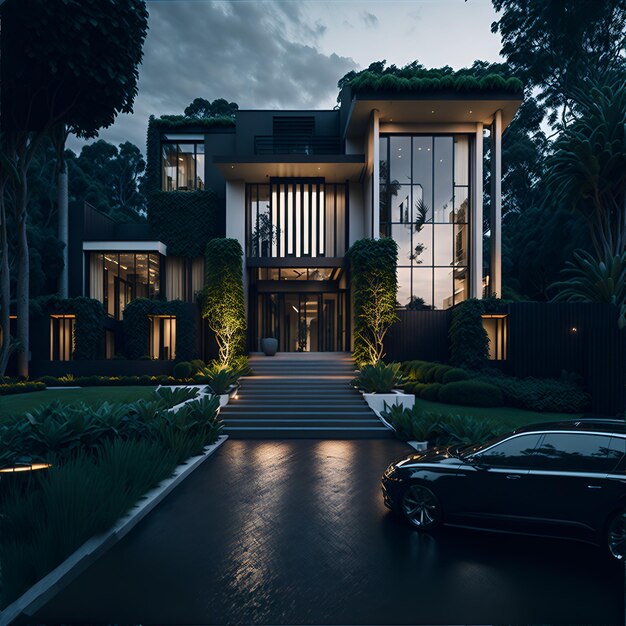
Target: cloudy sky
<point x="289" y="54"/>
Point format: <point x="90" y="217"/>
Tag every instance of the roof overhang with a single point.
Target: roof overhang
<point x="407" y="109"/>
<point x="125" y="246"/>
<point x="333" y="168"/>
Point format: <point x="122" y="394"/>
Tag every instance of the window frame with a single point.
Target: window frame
<point x="457" y="272"/>
<point x="178" y="142"/>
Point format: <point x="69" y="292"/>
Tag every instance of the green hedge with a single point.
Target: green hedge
<point x="107" y="381"/>
<point x="88" y="326"/>
<point x="374" y="287"/>
<point x="7" y="389"/>
<point x="563" y="396"/>
<point x="224" y="307"/>
<point x="137" y="327"/>
<point x="471" y="393"/>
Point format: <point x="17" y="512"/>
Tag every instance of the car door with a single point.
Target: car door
<point x="571" y="493"/>
<point x="492" y="484"/>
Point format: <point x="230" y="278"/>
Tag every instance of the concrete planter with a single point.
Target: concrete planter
<point x="420" y="446"/>
<point x="377" y="401"/>
<point x="269" y="345"/>
<point x="224" y="398"/>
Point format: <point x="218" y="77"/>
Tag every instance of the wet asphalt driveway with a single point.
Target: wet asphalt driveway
<point x="295" y="532"/>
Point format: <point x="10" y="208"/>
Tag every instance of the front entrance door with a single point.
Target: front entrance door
<point x="302" y="322"/>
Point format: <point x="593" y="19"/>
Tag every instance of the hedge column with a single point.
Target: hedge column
<point x="224" y="301"/>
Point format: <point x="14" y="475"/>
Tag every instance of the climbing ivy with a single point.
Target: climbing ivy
<point x="374" y="288"/>
<point x="137" y="327"/>
<point x="89" y="324"/>
<point x="224" y="300"/>
<point x="183" y="220"/>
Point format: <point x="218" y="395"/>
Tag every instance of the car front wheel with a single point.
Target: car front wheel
<point x="616" y="535"/>
<point x="421" y="508"/>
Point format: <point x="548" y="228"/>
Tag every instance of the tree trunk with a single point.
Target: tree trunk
<point x="62" y="209"/>
<point x="5" y="294"/>
<point x="23" y="274"/>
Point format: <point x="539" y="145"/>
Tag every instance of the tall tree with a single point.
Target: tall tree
<point x="68" y="66"/>
<point x="553" y="44"/>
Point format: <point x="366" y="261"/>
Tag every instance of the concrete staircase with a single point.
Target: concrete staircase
<point x="301" y="395"/>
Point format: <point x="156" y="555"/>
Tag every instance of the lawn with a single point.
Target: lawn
<point x="511" y="417"/>
<point x="19" y="404"/>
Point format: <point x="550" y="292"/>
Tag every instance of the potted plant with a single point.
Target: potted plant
<point x="378" y="385"/>
<point x="269" y="345"/>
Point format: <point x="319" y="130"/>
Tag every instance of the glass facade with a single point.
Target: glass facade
<point x="424" y="192"/>
<point x="62" y="337"/>
<point x="116" y="278"/>
<point x="296" y="218"/>
<point x="182" y="165"/>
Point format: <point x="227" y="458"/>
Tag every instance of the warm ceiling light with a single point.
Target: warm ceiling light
<point x="471" y="111"/>
<point x="232" y="167"/>
<point x="432" y="111"/>
<point x="391" y="119"/>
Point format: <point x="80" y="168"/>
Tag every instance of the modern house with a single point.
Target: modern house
<point x="297" y="188"/>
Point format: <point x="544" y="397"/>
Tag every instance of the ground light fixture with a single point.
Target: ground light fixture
<point x="31" y="467"/>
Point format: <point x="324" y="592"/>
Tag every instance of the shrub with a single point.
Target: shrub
<point x="379" y="378"/>
<point x="456" y="429"/>
<point x="453" y="375"/>
<point x="183" y="369"/>
<point x="220" y="377"/>
<point x="196" y="365"/>
<point x="541" y="394"/>
<point x="71" y="503"/>
<point x="469" y="343"/>
<point x="414" y="388"/>
<point x="412" y="424"/>
<point x="431" y="392"/>
<point x="471" y="393"/>
<point x="25" y="387"/>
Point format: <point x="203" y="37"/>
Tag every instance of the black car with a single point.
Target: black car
<point x="564" y="479"/>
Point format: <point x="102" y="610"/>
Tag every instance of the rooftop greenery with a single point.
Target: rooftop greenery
<point x="415" y="78"/>
<point x="172" y="122"/>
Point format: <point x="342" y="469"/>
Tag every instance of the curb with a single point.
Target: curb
<point x="77" y="562"/>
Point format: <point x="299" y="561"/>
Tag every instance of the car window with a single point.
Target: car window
<point x="515" y="452"/>
<point x="617" y="451"/>
<point x="577" y="452"/>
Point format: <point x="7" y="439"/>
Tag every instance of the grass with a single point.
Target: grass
<point x="20" y="404"/>
<point x="509" y="416"/>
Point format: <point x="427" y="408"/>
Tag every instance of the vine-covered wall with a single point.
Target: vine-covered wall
<point x="183" y="220"/>
<point x="88" y="327"/>
<point x="137" y="327"/>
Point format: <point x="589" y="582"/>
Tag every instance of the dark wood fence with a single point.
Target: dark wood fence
<point x="419" y="335"/>
<point x="544" y="339"/>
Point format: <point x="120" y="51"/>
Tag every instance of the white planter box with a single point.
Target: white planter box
<point x="377" y="401"/>
<point x="418" y="445"/>
<point x="224" y="398"/>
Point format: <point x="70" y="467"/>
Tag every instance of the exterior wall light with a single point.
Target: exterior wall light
<point x="573" y="330"/>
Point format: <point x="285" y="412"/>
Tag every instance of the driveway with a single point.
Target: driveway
<point x="293" y="532"/>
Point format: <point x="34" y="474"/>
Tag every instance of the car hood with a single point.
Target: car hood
<point x="440" y="454"/>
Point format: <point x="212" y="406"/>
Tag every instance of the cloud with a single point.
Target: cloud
<point x="369" y="19"/>
<point x="258" y="54"/>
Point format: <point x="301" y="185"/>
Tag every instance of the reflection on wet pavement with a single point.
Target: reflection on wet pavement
<point x="295" y="532"/>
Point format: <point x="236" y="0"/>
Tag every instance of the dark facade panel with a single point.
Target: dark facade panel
<point x="419" y="335"/>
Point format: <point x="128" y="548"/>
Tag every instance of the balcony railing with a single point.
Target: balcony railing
<point x="270" y="144"/>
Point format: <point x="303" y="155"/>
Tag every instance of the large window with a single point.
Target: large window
<point x="182" y="163"/>
<point x="62" y="337"/>
<point x="116" y="278"/>
<point x="424" y="187"/>
<point x="163" y="337"/>
<point x="296" y="218"/>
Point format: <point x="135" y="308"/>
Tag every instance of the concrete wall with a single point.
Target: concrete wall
<point x="236" y="222"/>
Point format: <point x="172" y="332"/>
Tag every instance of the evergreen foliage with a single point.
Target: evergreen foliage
<point x="374" y="286"/>
<point x="224" y="299"/>
<point x="469" y="343"/>
<point x="137" y="327"/>
<point x="88" y="327"/>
